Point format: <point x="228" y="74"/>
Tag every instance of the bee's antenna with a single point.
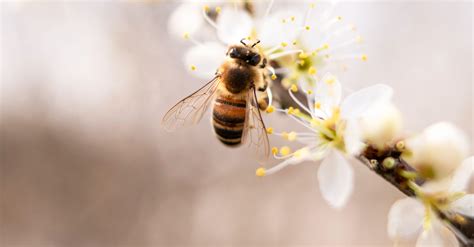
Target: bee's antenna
<point x="256" y="43"/>
<point x="242" y="41"/>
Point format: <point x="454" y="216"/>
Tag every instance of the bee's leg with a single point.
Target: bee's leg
<point x="263" y="100"/>
<point x="264" y="83"/>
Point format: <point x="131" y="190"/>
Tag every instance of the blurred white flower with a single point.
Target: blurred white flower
<point x="407" y="217"/>
<point x="334" y="133"/>
<point x="381" y="125"/>
<point x="437" y="151"/>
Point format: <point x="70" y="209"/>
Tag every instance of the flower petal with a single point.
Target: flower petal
<point x="186" y="18"/>
<point x="203" y="60"/>
<point x="328" y="93"/>
<point x="233" y="25"/>
<point x="437" y="235"/>
<point x="280" y="26"/>
<point x="464" y="205"/>
<point x="336" y="179"/>
<point x="462" y="175"/>
<point x="405" y="218"/>
<point x="353" y="138"/>
<point x="358" y="103"/>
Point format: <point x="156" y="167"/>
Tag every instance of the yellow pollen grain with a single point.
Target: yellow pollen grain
<point x="301" y="62"/>
<point x="274" y="150"/>
<point x="286" y="83"/>
<point x="309" y="92"/>
<point x="290" y="110"/>
<point x="307" y="27"/>
<point x="260" y="172"/>
<point x="186" y="35"/>
<point x="312" y="70"/>
<point x="269" y="130"/>
<point x="364" y="57"/>
<point x="273" y="77"/>
<point x="270" y="109"/>
<point x="292" y="18"/>
<point x="284" y="44"/>
<point x="285" y="150"/>
<point x="295" y="42"/>
<point x="294" y="88"/>
<point x="218" y="9"/>
<point x="303" y="55"/>
<point x="317" y="105"/>
<point x="193" y="68"/>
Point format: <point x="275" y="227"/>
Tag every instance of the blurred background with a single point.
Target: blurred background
<point x="84" y="161"/>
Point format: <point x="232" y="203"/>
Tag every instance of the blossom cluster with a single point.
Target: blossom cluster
<point x="307" y="47"/>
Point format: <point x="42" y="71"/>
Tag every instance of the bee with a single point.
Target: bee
<point x="236" y="116"/>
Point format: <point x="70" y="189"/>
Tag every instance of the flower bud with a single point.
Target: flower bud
<point x="437" y="151"/>
<point x="381" y="124"/>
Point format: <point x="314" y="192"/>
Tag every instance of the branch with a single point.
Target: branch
<point x="398" y="174"/>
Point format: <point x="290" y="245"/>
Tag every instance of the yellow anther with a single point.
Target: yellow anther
<point x="270" y="109"/>
<point x="312" y="70"/>
<point x="274" y="150"/>
<point x="301" y="62"/>
<point x="294" y="88"/>
<point x="312" y="5"/>
<point x="292" y="18"/>
<point x="314" y="53"/>
<point x="400" y="146"/>
<point x="295" y="42"/>
<point x="205" y="8"/>
<point x="273" y="77"/>
<point x="296" y="111"/>
<point x="260" y="172"/>
<point x="291" y="110"/>
<point x="269" y="130"/>
<point x="317" y="105"/>
<point x="307" y="27"/>
<point x="218" y="9"/>
<point x="364" y="57"/>
<point x="303" y="55"/>
<point x="339" y="18"/>
<point x="285" y="150"/>
<point x="193" y="68"/>
<point x="309" y="92"/>
<point x="330" y="80"/>
<point x="291" y="136"/>
<point x="326" y="46"/>
<point x="284" y="44"/>
<point x="186" y="35"/>
<point x="283" y="20"/>
<point x="284" y="134"/>
<point x="286" y="83"/>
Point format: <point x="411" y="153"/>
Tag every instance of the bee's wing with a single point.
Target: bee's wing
<point x="190" y="110"/>
<point x="255" y="132"/>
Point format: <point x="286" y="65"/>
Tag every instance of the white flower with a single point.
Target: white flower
<point x="407" y="217"/>
<point x="438" y="151"/>
<point x="333" y="134"/>
<point x="381" y="125"/>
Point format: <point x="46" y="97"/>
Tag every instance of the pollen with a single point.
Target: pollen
<point x="284" y="44"/>
<point x="309" y="92"/>
<point x="273" y="77"/>
<point x="283" y="20"/>
<point x="307" y="27"/>
<point x="312" y="5"/>
<point x="294" y="88"/>
<point x="295" y="42"/>
<point x="274" y="150"/>
<point x="317" y="105"/>
<point x="330" y="80"/>
<point x="364" y="57"/>
<point x="193" y="67"/>
<point x="260" y="172"/>
<point x="301" y="63"/>
<point x="284" y="134"/>
<point x="218" y="9"/>
<point x="270" y="109"/>
<point x="292" y="18"/>
<point x="205" y="8"/>
<point x="312" y="70"/>
<point x="291" y="136"/>
<point x="186" y="35"/>
<point x="326" y="46"/>
<point x="269" y="130"/>
<point x="339" y="18"/>
<point x="285" y="150"/>
<point x="303" y="55"/>
<point x="400" y="146"/>
<point x="291" y="110"/>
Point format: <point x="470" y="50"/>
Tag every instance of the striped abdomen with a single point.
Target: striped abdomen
<point x="228" y="117"/>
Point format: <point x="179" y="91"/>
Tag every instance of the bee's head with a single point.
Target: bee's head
<point x="245" y="53"/>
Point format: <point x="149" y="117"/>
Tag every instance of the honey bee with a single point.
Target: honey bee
<point x="236" y="116"/>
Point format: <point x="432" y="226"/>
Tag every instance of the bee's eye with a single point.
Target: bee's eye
<point x="233" y="53"/>
<point x="254" y="60"/>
